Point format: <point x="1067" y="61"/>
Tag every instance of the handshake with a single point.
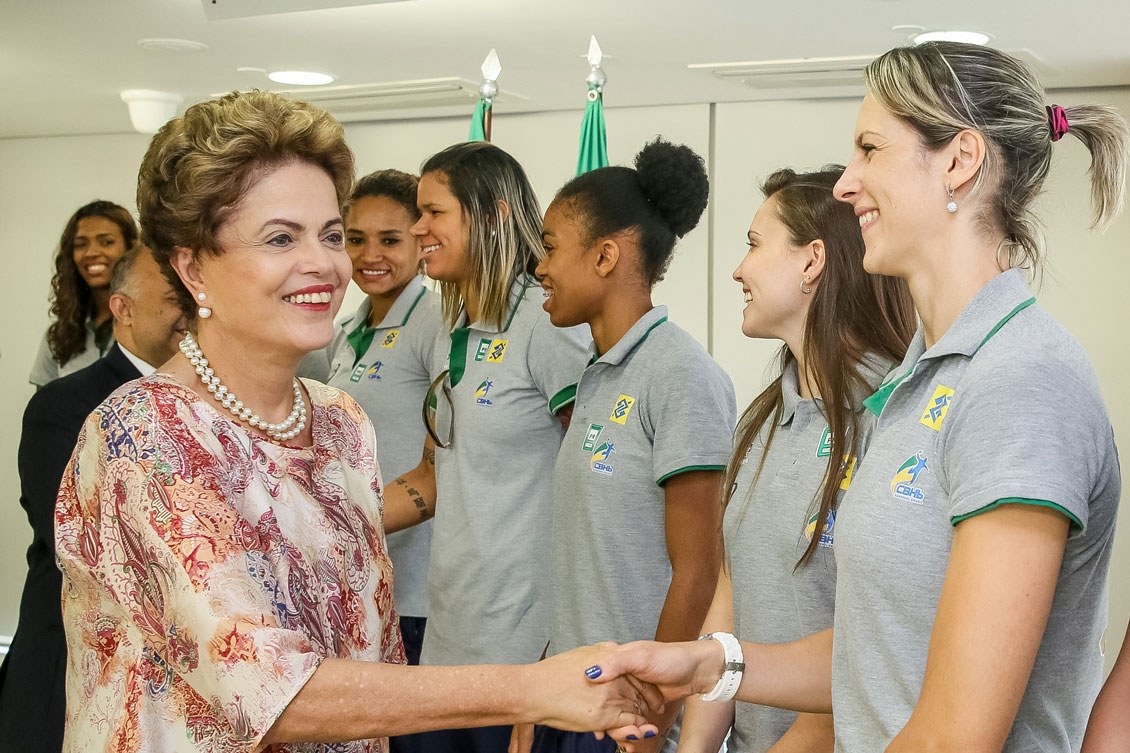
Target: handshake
<point x="614" y="690"/>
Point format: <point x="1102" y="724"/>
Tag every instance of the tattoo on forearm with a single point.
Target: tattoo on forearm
<point x="415" y="496"/>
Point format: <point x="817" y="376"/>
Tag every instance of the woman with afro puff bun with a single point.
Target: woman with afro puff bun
<point x="636" y="547"/>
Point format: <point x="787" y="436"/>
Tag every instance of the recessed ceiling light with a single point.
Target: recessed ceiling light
<point x="300" y="78"/>
<point x="969" y="37"/>
<point x="171" y="45"/>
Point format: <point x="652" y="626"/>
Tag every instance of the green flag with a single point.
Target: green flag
<point x="594" y="141"/>
<point x="478" y="121"/>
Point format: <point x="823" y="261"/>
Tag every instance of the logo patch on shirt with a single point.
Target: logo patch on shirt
<point x="481" y="351"/>
<point x="904" y="485"/>
<point x="591" y="436"/>
<point x="497" y="351"/>
<point x="825" y="448"/>
<point x="482" y="391"/>
<point x="827" y="536"/>
<point x="358" y="372"/>
<point x="622" y="409"/>
<point x="374" y="371"/>
<point x="937" y="408"/>
<point x="390" y="339"/>
<point x="599" y="462"/>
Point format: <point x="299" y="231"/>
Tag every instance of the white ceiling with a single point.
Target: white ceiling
<point x="64" y="62"/>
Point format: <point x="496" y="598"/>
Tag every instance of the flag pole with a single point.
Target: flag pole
<point x="594" y="140"/>
<point x="482" y="120"/>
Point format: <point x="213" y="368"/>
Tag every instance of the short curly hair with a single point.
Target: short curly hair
<point x="199" y="166"/>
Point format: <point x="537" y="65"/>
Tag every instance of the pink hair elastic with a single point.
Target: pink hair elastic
<point x="1057" y="121"/>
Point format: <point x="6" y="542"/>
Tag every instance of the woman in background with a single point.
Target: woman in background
<point x="93" y="240"/>
<point x="382" y="356"/>
<point x="799" y="442"/>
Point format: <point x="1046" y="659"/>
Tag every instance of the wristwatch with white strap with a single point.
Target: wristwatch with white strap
<point x="727" y="686"/>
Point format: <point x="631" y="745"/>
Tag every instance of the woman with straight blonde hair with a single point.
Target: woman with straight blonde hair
<point x="505" y="379"/>
<point x="973" y="546"/>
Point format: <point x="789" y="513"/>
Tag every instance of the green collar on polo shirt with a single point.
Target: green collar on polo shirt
<point x="361" y="336"/>
<point x="632" y="339"/>
<point x="994" y="306"/>
<point x="457" y="359"/>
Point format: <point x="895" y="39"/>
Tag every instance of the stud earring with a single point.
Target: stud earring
<point x="951" y="207"/>
<point x="804" y="286"/>
<point x="203" y="312"/>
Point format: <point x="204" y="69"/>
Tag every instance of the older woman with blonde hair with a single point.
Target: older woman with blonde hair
<point x="221" y="525"/>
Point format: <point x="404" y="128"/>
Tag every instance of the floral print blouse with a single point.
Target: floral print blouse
<point x="208" y="571"/>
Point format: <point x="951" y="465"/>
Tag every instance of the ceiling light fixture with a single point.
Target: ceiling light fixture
<point x="300" y="78"/>
<point x="149" y="109"/>
<point x="969" y="37"/>
<point x="793" y="74"/>
<point x="171" y="45"/>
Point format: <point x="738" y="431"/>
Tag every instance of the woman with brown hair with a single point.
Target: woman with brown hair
<point x="92" y="242"/>
<point x="799" y="442"/>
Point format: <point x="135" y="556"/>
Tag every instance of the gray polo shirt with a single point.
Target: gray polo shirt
<point x="1004" y="408"/>
<point x="652" y="407"/>
<point x="389" y="381"/>
<point x="768" y="526"/>
<point x="47" y="369"/>
<point x="487" y="587"/>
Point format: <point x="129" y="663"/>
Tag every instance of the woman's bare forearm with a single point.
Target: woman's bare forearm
<point x="411" y="499"/>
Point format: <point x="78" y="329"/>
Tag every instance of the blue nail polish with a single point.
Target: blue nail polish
<point x="649" y="734"/>
<point x="632" y="737"/>
<point x="593" y="672"/>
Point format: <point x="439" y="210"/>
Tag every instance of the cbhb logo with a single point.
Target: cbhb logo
<point x="937" y="408"/>
<point x="905" y="483"/>
<point x="622" y="409"/>
<point x="827" y="536"/>
<point x="374" y="371"/>
<point x="599" y="462"/>
<point x="481" y="393"/>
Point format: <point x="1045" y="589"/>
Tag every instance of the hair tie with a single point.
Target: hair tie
<point x="1057" y="121"/>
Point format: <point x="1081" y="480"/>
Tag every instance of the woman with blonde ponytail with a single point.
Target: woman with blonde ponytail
<point x="973" y="546"/>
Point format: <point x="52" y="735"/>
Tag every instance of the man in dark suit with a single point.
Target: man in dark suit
<point x="148" y="326"/>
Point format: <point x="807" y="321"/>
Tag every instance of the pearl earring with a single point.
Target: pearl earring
<point x="804" y="286"/>
<point x="951" y="207"/>
<point x="203" y="312"/>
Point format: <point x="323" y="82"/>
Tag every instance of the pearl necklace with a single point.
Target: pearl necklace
<point x="291" y="427"/>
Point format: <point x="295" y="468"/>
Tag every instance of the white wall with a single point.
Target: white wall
<point x="43" y="180"/>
